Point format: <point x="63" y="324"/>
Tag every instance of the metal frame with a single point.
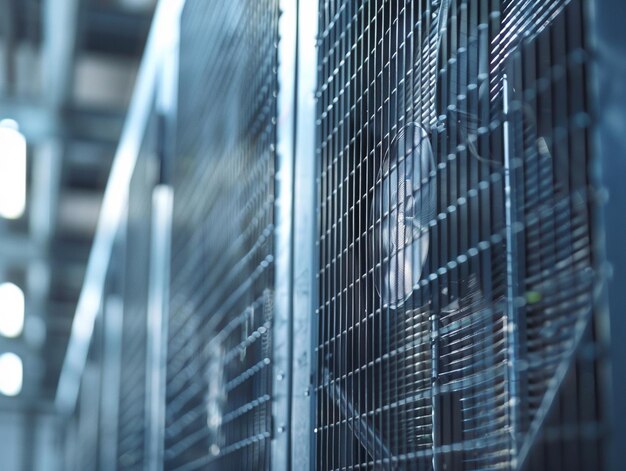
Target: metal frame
<point x="284" y="261"/>
<point x="158" y="301"/>
<point x="296" y="223"/>
<point x="305" y="230"/>
<point x="111" y="369"/>
<point x="160" y="254"/>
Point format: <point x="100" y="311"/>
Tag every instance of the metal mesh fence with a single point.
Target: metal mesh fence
<point x="456" y="265"/>
<point x="457" y="321"/>
<point x="219" y="380"/>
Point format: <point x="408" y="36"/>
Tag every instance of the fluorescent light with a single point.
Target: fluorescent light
<point x="11" y="374"/>
<point x="11" y="310"/>
<point x="12" y="170"/>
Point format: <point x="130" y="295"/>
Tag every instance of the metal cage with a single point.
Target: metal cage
<point x="387" y="243"/>
<point x="458" y="278"/>
<point x="220" y="360"/>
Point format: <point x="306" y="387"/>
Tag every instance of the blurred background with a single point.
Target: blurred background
<point x="67" y="72"/>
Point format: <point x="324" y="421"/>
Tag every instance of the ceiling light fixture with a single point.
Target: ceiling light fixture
<point x="11" y="374"/>
<point x="12" y="170"/>
<point x="11" y="310"/>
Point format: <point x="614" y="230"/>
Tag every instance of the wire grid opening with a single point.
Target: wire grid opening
<point x="218" y="410"/>
<point x="448" y="233"/>
<point x="132" y="409"/>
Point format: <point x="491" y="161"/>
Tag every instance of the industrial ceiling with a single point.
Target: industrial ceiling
<point x="67" y="70"/>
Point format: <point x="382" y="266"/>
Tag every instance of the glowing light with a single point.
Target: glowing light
<point x="12" y="170"/>
<point x="11" y="374"/>
<point x="11" y="310"/>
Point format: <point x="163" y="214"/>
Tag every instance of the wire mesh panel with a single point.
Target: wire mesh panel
<point x="456" y="271"/>
<point x="559" y="277"/>
<point x="219" y="382"/>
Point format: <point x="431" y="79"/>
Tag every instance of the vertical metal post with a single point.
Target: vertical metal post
<point x="304" y="231"/>
<point x="160" y="252"/>
<point x="282" y="329"/>
<point x="111" y="373"/>
<point x="158" y="295"/>
<point x="161" y="236"/>
<point x="511" y="280"/>
<point x="89" y="417"/>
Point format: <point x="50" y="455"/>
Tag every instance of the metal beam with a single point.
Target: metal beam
<point x="36" y="121"/>
<point x="114" y="31"/>
<point x="42" y="406"/>
<point x="17" y="250"/>
<point x="94" y="125"/>
<point x="40" y="123"/>
<point x="60" y="20"/>
<point x="20" y="250"/>
<point x="7" y="24"/>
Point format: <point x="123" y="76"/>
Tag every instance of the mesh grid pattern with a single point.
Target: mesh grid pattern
<point x="561" y="393"/>
<point x="218" y="409"/>
<point x="455" y="266"/>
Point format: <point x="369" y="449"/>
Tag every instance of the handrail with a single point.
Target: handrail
<point x="160" y="39"/>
